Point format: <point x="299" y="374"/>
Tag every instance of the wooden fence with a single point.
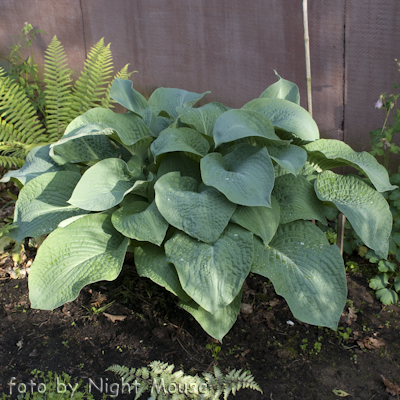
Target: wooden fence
<point x="231" y="48"/>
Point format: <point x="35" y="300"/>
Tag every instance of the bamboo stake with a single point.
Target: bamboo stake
<point x="341" y="217"/>
<point x="307" y="54"/>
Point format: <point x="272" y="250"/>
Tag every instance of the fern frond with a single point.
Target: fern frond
<point x="164" y="384"/>
<point x="91" y="85"/>
<point x="9" y="161"/>
<point x="18" y="112"/>
<point x="107" y="101"/>
<point x="58" y="80"/>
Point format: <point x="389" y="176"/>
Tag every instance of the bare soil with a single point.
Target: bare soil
<point x="288" y="361"/>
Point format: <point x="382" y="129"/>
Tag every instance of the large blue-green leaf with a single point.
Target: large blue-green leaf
<point x="37" y="163"/>
<point x="151" y="262"/>
<point x="179" y="162"/>
<point x="306" y="271"/>
<point x="180" y="139"/>
<point x="245" y="176"/>
<point x="122" y="92"/>
<point x="202" y="213"/>
<point x="87" y="250"/>
<point x="262" y="221"/>
<point x="297" y="199"/>
<point x="238" y="124"/>
<point x="104" y="185"/>
<point x="141" y="221"/>
<point x="43" y="203"/>
<point x="217" y="324"/>
<point x="212" y="275"/>
<point x="287" y="116"/>
<point x="365" y="208"/>
<point x="84" y="145"/>
<point x="291" y="158"/>
<point x="168" y="99"/>
<point x="129" y="127"/>
<point x="282" y="89"/>
<point x="330" y="153"/>
<point x="203" y="118"/>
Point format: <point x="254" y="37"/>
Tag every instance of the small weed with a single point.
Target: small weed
<point x="215" y="350"/>
<point x="304" y="345"/>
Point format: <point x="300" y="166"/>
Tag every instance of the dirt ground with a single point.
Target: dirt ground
<point x="288" y="361"/>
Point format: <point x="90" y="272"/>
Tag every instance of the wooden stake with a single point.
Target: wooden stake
<point x="307" y="54"/>
<point x="340" y="232"/>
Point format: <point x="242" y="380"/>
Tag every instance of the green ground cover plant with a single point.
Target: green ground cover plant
<point x="202" y="197"/>
<point x="387" y="282"/>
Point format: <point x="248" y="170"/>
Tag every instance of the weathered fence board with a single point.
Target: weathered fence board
<point x="232" y="47"/>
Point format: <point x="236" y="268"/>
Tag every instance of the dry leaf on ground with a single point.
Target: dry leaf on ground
<point x="273" y="302"/>
<point x="351" y="316"/>
<point x="246" y="308"/>
<point x="98" y="298"/>
<point x="391" y="388"/>
<point x="114" y="318"/>
<point x="371" y="343"/>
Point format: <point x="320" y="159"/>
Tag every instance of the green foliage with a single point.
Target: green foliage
<point x="382" y="140"/>
<point x="32" y="115"/>
<point x="24" y="70"/>
<point x="387" y="282"/>
<point x="162" y="383"/>
<point x="202" y="197"/>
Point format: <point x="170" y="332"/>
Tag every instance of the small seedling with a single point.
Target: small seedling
<point x="215" y="350"/>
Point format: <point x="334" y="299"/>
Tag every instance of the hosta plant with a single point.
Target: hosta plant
<point x="202" y="197"/>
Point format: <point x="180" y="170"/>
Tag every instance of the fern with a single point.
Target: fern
<point x="11" y="161"/>
<point x="19" y="124"/>
<point x="158" y="378"/>
<point x="18" y="117"/>
<point x="57" y="94"/>
<point x="89" y="87"/>
<point x="20" y="128"/>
